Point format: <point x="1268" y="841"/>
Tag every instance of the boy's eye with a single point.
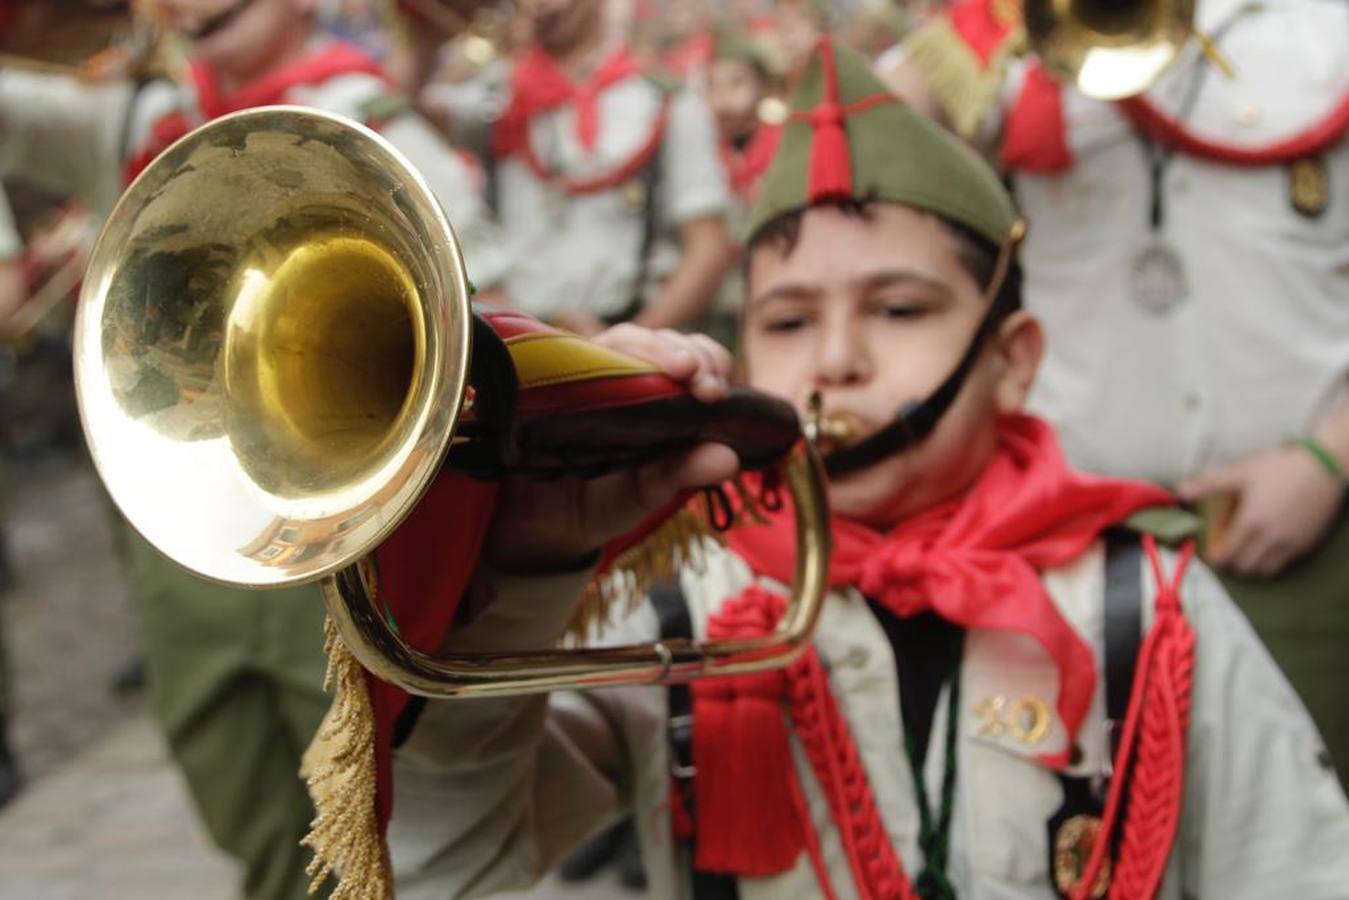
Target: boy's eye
<point x="899" y="309"/>
<point x="785" y="322"/>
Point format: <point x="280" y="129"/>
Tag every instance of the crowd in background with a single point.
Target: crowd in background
<point x="587" y="202"/>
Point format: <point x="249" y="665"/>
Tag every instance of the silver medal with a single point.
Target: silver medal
<point x="1159" y="277"/>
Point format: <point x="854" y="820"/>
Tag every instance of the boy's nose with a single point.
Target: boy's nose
<point x="844" y="357"/>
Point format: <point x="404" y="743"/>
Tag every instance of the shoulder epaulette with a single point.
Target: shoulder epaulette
<point x="965" y="85"/>
<point x="1168" y="524"/>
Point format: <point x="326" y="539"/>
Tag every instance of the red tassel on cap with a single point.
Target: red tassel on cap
<point x="831" y="175"/>
<point x="830" y="158"/>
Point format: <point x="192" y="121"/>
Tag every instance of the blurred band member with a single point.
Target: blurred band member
<point x="607" y="181"/>
<point x="1212" y="214"/>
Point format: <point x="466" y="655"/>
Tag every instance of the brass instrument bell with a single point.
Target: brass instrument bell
<point x="1109" y="49"/>
<point x="272" y="352"/>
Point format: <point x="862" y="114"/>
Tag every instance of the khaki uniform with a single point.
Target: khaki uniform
<point x="235" y="676"/>
<point x="489" y="794"/>
<point x="583" y="251"/>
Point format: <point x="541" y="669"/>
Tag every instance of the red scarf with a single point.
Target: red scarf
<point x="337" y="58"/>
<point x="744" y="167"/>
<point x="975" y="561"/>
<point x="539" y="84"/>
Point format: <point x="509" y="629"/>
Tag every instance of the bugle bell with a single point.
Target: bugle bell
<point x="276" y="354"/>
<point x="1111" y="49"/>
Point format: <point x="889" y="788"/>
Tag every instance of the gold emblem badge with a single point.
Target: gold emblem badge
<point x="1309" y="186"/>
<point x="1073" y="843"/>
<point x="1028" y="719"/>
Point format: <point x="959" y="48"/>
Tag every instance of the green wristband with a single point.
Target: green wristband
<point x="1322" y="456"/>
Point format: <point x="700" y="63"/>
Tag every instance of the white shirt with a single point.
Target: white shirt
<point x="1255" y="351"/>
<point x="581" y="251"/>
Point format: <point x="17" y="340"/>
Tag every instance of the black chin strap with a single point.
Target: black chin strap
<point x="918" y="418"/>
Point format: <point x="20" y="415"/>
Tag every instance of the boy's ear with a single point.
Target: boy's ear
<point x="1019" y="344"/>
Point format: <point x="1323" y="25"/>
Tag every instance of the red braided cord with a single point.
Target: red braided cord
<point x="1158" y="777"/>
<point x="828" y="744"/>
<point x="1152" y="749"/>
<point x="812" y="839"/>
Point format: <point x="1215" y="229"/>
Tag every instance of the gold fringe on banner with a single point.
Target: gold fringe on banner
<point x="679" y="543"/>
<point x="339" y="767"/>
<point x="339" y="764"/>
<point x="966" y="87"/>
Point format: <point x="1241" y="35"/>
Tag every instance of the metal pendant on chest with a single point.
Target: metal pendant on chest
<point x="1159" y="279"/>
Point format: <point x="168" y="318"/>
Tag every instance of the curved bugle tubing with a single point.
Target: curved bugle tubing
<point x="276" y="356"/>
<point x="352" y="601"/>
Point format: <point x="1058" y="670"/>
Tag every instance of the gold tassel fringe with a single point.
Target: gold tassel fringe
<point x="679" y="543"/>
<point x="339" y="767"/>
<point x="966" y="87"/>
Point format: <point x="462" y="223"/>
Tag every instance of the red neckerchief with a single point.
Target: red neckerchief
<point x="975" y="561"/>
<point x="744" y="167"/>
<point x="539" y="85"/>
<point x="337" y="58"/>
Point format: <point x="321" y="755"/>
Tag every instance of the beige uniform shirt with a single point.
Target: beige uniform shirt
<point x="489" y="794"/>
<point x="1251" y="356"/>
<point x="73" y="139"/>
<point x="581" y="251"/>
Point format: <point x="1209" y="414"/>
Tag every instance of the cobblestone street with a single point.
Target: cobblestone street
<point x="103" y="814"/>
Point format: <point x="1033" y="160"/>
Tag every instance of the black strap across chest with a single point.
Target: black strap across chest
<point x="1123" y="635"/>
<point x="673" y="613"/>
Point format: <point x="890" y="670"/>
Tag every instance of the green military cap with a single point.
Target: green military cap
<point x="849" y="137"/>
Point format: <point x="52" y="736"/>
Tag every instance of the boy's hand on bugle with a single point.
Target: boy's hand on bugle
<point x="557" y="525"/>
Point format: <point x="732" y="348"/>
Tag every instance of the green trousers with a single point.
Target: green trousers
<point x="236" y="680"/>
<point x="1303" y="618"/>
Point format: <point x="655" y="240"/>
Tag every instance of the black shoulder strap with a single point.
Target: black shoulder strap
<point x="1084" y="796"/>
<point x="673" y="613"/>
<point x="1123" y="624"/>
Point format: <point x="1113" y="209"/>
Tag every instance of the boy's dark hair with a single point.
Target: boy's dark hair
<point x="978" y="255"/>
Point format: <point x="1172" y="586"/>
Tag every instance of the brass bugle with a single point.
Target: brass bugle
<point x="272" y="353"/>
<point x="1111" y="49"/>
